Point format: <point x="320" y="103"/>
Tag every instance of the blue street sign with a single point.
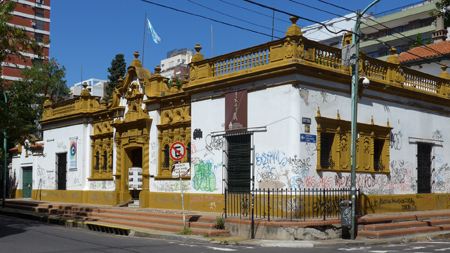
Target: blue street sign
<point x="306" y="121"/>
<point x="311" y="138"/>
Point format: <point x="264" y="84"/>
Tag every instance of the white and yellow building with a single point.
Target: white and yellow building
<point x="279" y="112"/>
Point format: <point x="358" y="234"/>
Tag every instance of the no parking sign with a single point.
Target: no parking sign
<point x="177" y="151"/>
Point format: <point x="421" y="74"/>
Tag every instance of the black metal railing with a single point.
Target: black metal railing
<point x="288" y="204"/>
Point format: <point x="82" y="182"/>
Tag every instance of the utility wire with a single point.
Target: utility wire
<point x="233" y="17"/>
<point x="426" y="46"/>
<point x="214" y="20"/>
<point x="282" y="20"/>
<point x="290" y="14"/>
<point x="337" y="6"/>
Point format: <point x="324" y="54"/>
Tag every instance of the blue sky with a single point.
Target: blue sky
<point x="91" y="32"/>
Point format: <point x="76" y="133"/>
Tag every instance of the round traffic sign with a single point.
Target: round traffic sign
<point x="177" y="151"/>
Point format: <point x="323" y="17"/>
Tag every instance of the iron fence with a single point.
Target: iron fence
<point x="288" y="204"/>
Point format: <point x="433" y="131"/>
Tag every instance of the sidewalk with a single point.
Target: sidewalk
<point x="230" y="240"/>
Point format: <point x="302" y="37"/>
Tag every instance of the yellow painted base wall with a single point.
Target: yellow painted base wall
<point x="192" y="202"/>
<point x="404" y="202"/>
<point x="78" y="197"/>
<point x="215" y="202"/>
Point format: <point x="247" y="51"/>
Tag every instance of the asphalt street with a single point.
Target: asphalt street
<point x="21" y="235"/>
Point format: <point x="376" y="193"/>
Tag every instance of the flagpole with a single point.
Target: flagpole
<point x="143" y="46"/>
<point x="212" y="43"/>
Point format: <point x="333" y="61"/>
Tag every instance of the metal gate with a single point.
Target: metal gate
<point x="239" y="162"/>
<point x="424" y="167"/>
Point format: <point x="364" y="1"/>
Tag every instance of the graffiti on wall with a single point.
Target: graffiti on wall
<point x="205" y="175"/>
<point x="396" y="140"/>
<point x="172" y="186"/>
<point x="213" y="143"/>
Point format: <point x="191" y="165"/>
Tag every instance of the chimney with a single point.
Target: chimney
<point x="440" y="34"/>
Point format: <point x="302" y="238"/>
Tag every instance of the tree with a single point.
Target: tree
<point x="177" y="81"/>
<point x="26" y="97"/>
<point x="442" y="10"/>
<point x="117" y="70"/>
<point x="13" y="41"/>
<point x="419" y="41"/>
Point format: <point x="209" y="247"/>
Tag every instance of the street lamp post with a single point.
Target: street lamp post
<point x="4" y="158"/>
<point x="355" y="80"/>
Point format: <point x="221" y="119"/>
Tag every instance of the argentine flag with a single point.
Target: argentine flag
<point x="155" y="36"/>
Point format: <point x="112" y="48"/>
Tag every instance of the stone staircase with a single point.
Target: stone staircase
<point x="129" y="217"/>
<point x="403" y="225"/>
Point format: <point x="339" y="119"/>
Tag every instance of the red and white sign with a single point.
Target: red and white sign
<point x="177" y="151"/>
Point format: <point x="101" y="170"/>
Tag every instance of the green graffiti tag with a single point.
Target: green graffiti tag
<point x="204" y="179"/>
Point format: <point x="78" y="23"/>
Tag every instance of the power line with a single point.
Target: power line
<point x="233" y="17"/>
<point x="282" y="20"/>
<point x="290" y="14"/>
<point x="337" y="6"/>
<point x="426" y="46"/>
<point x="214" y="20"/>
<point x="315" y="8"/>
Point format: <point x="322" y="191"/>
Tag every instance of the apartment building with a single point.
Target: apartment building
<point x="398" y="29"/>
<point x="34" y="17"/>
<point x="176" y="63"/>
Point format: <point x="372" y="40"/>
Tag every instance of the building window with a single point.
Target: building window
<point x="105" y="161"/>
<point x="377" y="155"/>
<point x="38" y="12"/>
<point x="97" y="161"/>
<point x="38" y="61"/>
<point x="40" y="25"/>
<point x="40" y="1"/>
<point x="188" y="151"/>
<point x="38" y="37"/>
<point x="166" y="157"/>
<point x="326" y="144"/>
<point x="334" y="146"/>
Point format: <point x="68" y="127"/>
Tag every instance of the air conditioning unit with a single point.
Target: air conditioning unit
<point x="33" y="23"/>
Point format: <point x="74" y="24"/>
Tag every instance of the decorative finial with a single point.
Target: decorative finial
<point x="388" y="122"/>
<point x="293" y="19"/>
<point x="198" y="48"/>
<point x="85" y="85"/>
<point x="338" y="115"/>
<point x="157" y="70"/>
<point x="318" y="112"/>
<point x="393" y="50"/>
<point x="444" y="67"/>
<point x="371" y="120"/>
<point x="47" y="96"/>
<point x="136" y="54"/>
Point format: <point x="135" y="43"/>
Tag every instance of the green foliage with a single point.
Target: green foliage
<point x="16" y="114"/>
<point x="420" y="41"/>
<point x="26" y="97"/>
<point x="446" y="14"/>
<point x="117" y="70"/>
<point x="220" y="223"/>
<point x="185" y="231"/>
<point x="177" y="82"/>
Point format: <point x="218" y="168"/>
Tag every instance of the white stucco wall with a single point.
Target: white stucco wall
<point x="282" y="161"/>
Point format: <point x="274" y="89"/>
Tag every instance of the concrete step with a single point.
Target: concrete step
<point x="401" y="232"/>
<point x="157" y="226"/>
<point x="409" y="224"/>
<point x="134" y="217"/>
<point x="142" y="219"/>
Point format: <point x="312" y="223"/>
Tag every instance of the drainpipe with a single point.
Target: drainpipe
<point x="355" y="80"/>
